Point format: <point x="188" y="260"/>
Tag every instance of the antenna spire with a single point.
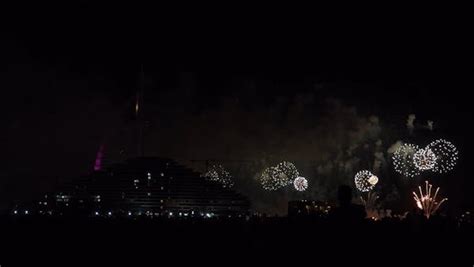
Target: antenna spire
<point x="139" y="113"/>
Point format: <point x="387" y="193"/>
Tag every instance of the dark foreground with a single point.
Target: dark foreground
<point x="144" y="242"/>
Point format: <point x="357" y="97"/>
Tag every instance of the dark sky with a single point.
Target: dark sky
<point x="68" y="78"/>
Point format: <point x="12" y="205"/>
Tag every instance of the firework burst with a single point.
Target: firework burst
<point x="403" y="162"/>
<point x="446" y="153"/>
<point x="365" y="180"/>
<point x="426" y="202"/>
<point x="274" y="178"/>
<point x="300" y="183"/>
<point x="270" y="179"/>
<point x="424" y="159"/>
<point x="288" y="172"/>
<point x="219" y="174"/>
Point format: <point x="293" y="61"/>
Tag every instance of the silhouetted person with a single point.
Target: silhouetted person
<point x="347" y="212"/>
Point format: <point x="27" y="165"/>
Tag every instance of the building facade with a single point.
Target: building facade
<point x="144" y="186"/>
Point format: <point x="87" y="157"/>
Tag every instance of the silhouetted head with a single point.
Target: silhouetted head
<point x="344" y="195"/>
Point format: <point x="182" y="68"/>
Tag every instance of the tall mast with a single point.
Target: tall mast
<point x="139" y="113"/>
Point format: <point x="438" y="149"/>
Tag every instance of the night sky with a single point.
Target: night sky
<point x="222" y="91"/>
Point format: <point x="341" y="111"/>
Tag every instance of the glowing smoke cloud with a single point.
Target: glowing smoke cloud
<point x="430" y="125"/>
<point x="411" y="123"/>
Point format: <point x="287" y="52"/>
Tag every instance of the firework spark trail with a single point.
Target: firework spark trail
<point x="426" y="202"/>
<point x="370" y="205"/>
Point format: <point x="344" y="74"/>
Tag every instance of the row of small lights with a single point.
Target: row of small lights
<point x="207" y="215"/>
<point x="136" y="181"/>
<point x="16" y="212"/>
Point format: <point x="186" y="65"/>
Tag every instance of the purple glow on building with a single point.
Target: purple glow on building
<point x="98" y="159"/>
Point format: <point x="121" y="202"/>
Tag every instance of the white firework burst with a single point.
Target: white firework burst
<point x="365" y="180"/>
<point x="219" y="174"/>
<point x="288" y="172"/>
<point x="424" y="159"/>
<point x="274" y="178"/>
<point x="300" y="183"/>
<point x="446" y="153"/>
<point x="403" y="162"/>
<point x="270" y="179"/>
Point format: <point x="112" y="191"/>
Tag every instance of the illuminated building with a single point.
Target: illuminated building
<point x="146" y="186"/>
